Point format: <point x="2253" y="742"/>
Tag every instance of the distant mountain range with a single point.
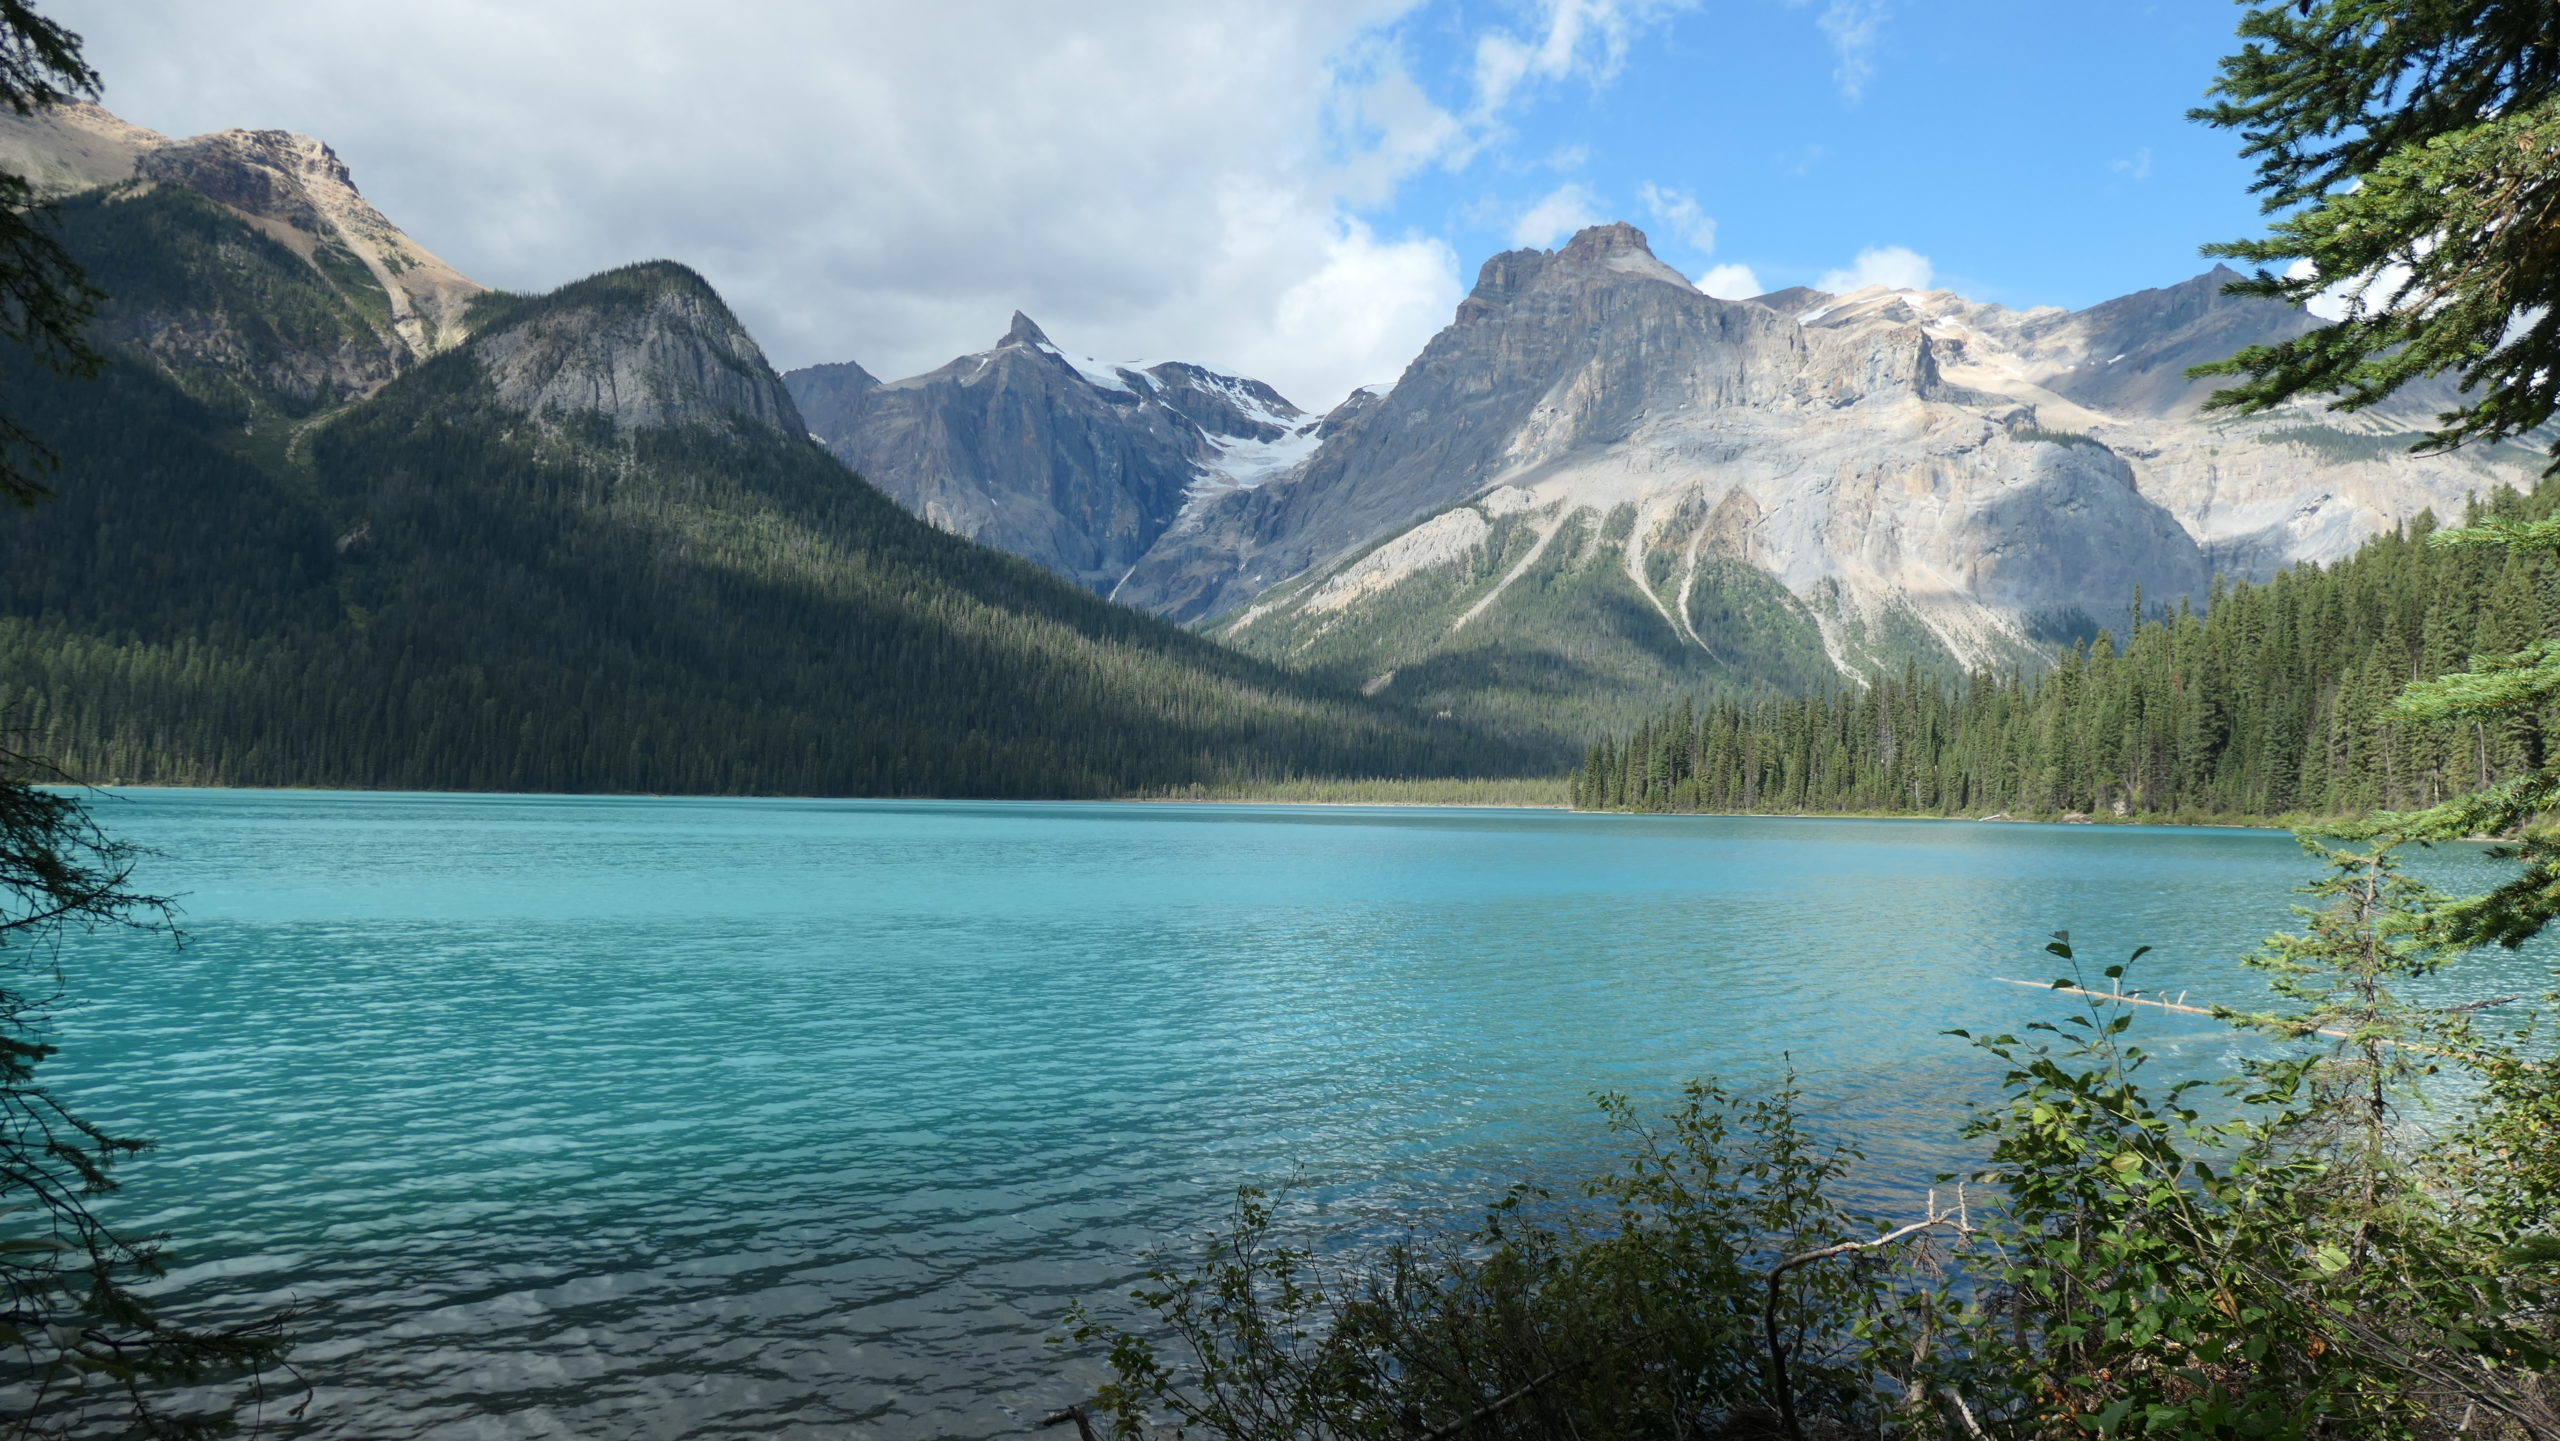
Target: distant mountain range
<point x="1079" y="465"/>
<point x="338" y="516"/>
<point x="1598" y="485"/>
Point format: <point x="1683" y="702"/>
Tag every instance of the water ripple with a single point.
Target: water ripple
<point x="659" y="1119"/>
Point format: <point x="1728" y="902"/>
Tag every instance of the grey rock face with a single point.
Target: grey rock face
<point x="1925" y="474"/>
<point x="831" y="391"/>
<point x="1488" y="390"/>
<point x="266" y="173"/>
<point x="402" y="302"/>
<point x="1076" y="464"/>
<point x="2129" y="356"/>
<point x="644" y="346"/>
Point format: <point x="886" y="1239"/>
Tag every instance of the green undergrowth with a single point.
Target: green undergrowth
<point x="2317" y="1246"/>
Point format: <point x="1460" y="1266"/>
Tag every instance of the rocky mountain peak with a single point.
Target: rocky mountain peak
<point x="1597" y="255"/>
<point x="644" y="346"/>
<point x="1795" y="300"/>
<point x="2130" y="355"/>
<point x="1598" y="243"/>
<point x="1077" y="463"/>
<point x="270" y="174"/>
<point x="399" y="302"/>
<point x="1609" y="251"/>
<point x="291" y="186"/>
<point x="1024" y="331"/>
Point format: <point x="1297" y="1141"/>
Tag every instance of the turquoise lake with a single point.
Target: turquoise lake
<point x="698" y="1118"/>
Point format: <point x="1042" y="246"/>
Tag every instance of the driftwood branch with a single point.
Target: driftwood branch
<point x="1958" y="1220"/>
<point x="1084" y="1426"/>
<point x="2129" y="999"/>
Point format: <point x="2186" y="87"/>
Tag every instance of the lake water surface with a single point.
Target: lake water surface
<point x="693" y="1118"/>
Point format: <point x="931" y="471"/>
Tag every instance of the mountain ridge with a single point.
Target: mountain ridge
<point x="586" y="544"/>
<point x="1926" y="479"/>
<point x="1080" y="465"/>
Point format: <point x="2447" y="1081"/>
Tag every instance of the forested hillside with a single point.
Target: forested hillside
<point x="444" y="586"/>
<point x="2266" y="705"/>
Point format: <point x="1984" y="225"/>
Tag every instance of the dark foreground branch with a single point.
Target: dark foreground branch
<point x="1958" y="1220"/>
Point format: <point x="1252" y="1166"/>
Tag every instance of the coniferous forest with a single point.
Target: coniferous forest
<point x="2267" y="704"/>
<point x="424" y="589"/>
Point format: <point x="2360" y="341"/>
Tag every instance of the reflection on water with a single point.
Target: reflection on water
<point x="695" y="1118"/>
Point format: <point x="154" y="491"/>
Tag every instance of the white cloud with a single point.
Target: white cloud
<point x="2137" y="165"/>
<point x="886" y="184"/>
<point x="1561" y="212"/>
<point x="1854" y="28"/>
<point x="1731" y="282"/>
<point x="1381" y="124"/>
<point x="1573" y="37"/>
<point x="1677" y="214"/>
<point x="2329" y="304"/>
<point x="1894" y="267"/>
<point x="2355" y="296"/>
<point x="1363" y="307"/>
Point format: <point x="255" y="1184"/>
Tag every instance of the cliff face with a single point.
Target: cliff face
<point x="1837" y="458"/>
<point x="360" y="303"/>
<point x="644" y="346"/>
<point x="1598" y="482"/>
<point x="1078" y="464"/>
<point x="2258" y="494"/>
<point x="298" y="190"/>
<point x="1922" y="477"/>
<point x="588" y="547"/>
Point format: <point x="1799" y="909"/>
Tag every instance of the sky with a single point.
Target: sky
<point x="1298" y="190"/>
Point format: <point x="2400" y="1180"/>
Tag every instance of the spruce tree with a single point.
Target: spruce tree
<point x="2509" y="691"/>
<point x="2411" y="149"/>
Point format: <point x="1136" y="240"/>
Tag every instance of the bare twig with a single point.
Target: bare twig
<point x="1964" y="1413"/>
<point x="1443" y="1433"/>
<point x="1957" y="1219"/>
<point x="1084" y="1427"/>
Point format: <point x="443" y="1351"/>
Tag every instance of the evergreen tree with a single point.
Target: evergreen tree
<point x="2276" y="702"/>
<point x="2412" y="150"/>
<point x="45" y="300"/>
<point x="83" y="1351"/>
<point x="2514" y="692"/>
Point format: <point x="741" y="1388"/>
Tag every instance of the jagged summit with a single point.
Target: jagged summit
<point x="1078" y="464"/>
<point x="1600" y="254"/>
<point x="1024" y="331"/>
<point x="1794" y="300"/>
<point x="292" y="187"/>
<point x="1616" y="249"/>
<point x="274" y="173"/>
<point x="1591" y="484"/>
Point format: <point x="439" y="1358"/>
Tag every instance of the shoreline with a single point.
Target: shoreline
<point x="1997" y="819"/>
<point x="112" y="788"/>
<point x="1314" y="801"/>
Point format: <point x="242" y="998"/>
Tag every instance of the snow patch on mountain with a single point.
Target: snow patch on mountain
<point x="1238" y="463"/>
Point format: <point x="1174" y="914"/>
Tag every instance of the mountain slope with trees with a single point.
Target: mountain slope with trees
<point x="2270" y="703"/>
<point x="589" y="549"/>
